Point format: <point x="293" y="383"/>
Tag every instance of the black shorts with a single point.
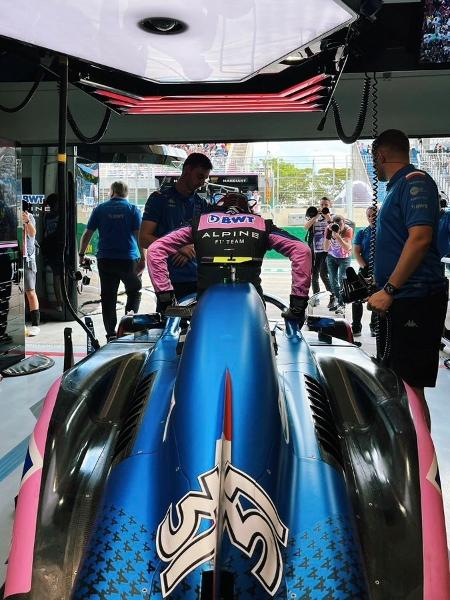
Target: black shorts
<point x="416" y="327"/>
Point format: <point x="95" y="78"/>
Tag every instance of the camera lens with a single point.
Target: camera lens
<point x="335" y="227"/>
<point x="325" y="210"/>
<point x="311" y="212"/>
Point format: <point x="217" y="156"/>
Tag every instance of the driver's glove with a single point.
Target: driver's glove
<point x="164" y="300"/>
<point x="296" y="310"/>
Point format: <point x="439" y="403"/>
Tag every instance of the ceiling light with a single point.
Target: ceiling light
<point x="225" y="40"/>
<point x="293" y="59"/>
<point x="162" y="25"/>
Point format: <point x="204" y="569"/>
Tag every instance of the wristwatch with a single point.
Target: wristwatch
<point x="390" y="289"/>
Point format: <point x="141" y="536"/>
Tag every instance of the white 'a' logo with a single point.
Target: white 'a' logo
<point x="190" y="543"/>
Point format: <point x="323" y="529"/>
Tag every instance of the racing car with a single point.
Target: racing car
<point x="216" y="454"/>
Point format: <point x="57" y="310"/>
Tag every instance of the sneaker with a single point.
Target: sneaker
<point x="314" y="301"/>
<point x="130" y="313"/>
<point x="33" y="330"/>
<point x="111" y="338"/>
<point x="332" y="303"/>
<point x="340" y="309"/>
<point x="356" y="331"/>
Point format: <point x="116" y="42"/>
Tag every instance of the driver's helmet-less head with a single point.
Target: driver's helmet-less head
<point x="234" y="203"/>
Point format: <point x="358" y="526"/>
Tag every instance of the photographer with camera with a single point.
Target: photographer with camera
<point x="119" y="257"/>
<point x="316" y="222"/>
<point x="338" y="244"/>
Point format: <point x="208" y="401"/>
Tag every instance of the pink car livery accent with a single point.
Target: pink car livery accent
<point x="298" y="252"/>
<point x="436" y="579"/>
<point x="20" y="562"/>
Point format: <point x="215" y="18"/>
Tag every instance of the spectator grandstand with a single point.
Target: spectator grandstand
<point x="435" y="47"/>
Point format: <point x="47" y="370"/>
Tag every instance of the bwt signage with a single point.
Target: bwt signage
<point x="33" y="198"/>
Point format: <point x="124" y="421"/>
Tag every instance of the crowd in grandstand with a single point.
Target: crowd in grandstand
<point x="436" y="32"/>
<point x="416" y="148"/>
<point x="211" y="150"/>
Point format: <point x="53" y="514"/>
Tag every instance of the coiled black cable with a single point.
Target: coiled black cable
<point x="373" y="230"/>
<point x="351" y="139"/>
<point x="95" y="138"/>
<point x="83" y="138"/>
<point x="383" y="337"/>
<point x="27" y="99"/>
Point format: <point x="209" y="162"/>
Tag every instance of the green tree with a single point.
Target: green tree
<point x="294" y="182"/>
<point x="303" y="186"/>
<point x="328" y="185"/>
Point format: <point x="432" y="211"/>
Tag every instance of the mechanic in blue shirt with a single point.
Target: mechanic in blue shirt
<point x="361" y="249"/>
<point x="170" y="208"/>
<point x="408" y="272"/>
<point x="119" y="257"/>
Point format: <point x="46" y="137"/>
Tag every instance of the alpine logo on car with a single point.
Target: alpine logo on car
<point x="184" y="542"/>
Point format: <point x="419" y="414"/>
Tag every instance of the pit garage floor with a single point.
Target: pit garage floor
<point x="21" y="398"/>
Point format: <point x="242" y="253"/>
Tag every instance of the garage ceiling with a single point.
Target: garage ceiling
<point x="291" y="93"/>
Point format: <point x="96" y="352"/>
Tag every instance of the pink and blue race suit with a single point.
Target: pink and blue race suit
<point x="230" y="235"/>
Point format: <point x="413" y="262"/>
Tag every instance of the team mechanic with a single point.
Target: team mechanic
<point x="408" y="271"/>
<point x="171" y="208"/>
<point x="232" y="230"/>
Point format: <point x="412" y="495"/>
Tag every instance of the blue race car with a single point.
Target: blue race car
<point x="217" y="455"/>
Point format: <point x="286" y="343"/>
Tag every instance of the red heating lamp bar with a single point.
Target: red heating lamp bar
<point x="306" y="96"/>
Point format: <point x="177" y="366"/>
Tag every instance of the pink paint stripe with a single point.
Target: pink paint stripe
<point x="225" y="221"/>
<point x="20" y="562"/>
<point x="436" y="585"/>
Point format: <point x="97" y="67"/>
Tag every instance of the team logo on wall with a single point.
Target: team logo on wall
<point x="187" y="537"/>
